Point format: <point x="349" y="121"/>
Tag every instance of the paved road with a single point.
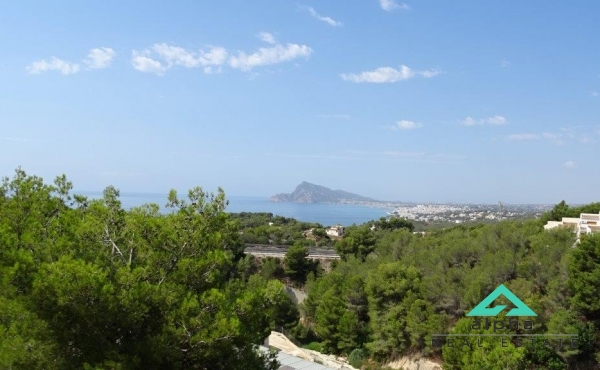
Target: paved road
<point x="279" y="251"/>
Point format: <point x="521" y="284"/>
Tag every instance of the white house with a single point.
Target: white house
<point x="337" y="230"/>
<point x="586" y="223"/>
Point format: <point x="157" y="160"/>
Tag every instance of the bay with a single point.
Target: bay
<point x="325" y="214"/>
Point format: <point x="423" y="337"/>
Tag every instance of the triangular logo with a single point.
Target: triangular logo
<point x="482" y="310"/>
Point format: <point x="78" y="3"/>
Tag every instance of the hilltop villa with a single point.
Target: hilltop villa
<point x="337" y="230"/>
<point x="587" y="223"/>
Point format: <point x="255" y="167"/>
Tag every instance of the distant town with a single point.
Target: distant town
<point x="308" y="193"/>
<point x="468" y="212"/>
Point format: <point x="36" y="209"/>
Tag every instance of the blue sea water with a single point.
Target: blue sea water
<point x="325" y="214"/>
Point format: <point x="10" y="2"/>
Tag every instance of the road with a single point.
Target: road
<point x="267" y="250"/>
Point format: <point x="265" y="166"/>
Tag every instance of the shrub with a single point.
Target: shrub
<point x="357" y="357"/>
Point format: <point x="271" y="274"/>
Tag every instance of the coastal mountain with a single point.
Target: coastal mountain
<point x="311" y="193"/>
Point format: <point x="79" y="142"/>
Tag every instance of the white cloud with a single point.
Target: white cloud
<point x="55" y="64"/>
<point x="175" y="55"/>
<point x="162" y="57"/>
<point x="391" y="5"/>
<point x="388" y="74"/>
<point x="504" y="63"/>
<point x="429" y="73"/>
<point x="406" y="125"/>
<point x="470" y="121"/>
<point x="146" y="64"/>
<point x="99" y="58"/>
<point x="327" y="20"/>
<point x="212" y="70"/>
<point x="268" y="56"/>
<point x="267" y="37"/>
<point x="494" y="120"/>
<point x="570" y="165"/>
<point x="523" y="137"/>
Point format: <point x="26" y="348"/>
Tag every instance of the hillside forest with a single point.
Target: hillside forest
<point x="85" y="284"/>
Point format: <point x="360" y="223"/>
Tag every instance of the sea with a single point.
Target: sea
<point x="325" y="214"/>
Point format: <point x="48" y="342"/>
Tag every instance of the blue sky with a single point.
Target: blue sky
<point x="420" y="101"/>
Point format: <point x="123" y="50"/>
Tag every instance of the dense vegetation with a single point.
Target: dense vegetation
<point x="85" y="284"/>
<point x="266" y="228"/>
<point x="394" y="289"/>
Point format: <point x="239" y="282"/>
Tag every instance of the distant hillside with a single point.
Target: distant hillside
<point x="311" y="193"/>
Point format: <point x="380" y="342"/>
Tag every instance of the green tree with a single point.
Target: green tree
<point x="394" y="223"/>
<point x="358" y="242"/>
<point x="86" y="284"/>
<point x="297" y="265"/>
<point x="327" y="317"/>
<point x="487" y="353"/>
<point x="391" y="290"/>
<point x="559" y="211"/>
<point x="283" y="312"/>
<point x="348" y="330"/>
<point x="584" y="281"/>
<point x="271" y="268"/>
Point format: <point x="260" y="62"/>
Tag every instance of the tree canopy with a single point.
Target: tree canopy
<point x="86" y="284"/>
<point x="394" y="289"/>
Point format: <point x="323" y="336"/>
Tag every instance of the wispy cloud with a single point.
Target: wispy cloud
<point x="267" y="37"/>
<point x="388" y="75"/>
<point x="594" y="93"/>
<point x="391" y="5"/>
<point x="97" y="58"/>
<point x="175" y="55"/>
<point x="162" y="57"/>
<point x="312" y="156"/>
<point x="322" y="18"/>
<point x="504" y="63"/>
<point x="268" y="56"/>
<point x="586" y="140"/>
<point x="564" y="136"/>
<point x="336" y="116"/>
<point x="556" y="139"/>
<point x="570" y="165"/>
<point x="19" y="139"/>
<point x="493" y="120"/>
<point x="405" y="125"/>
<point x="580" y="134"/>
<point x="523" y="137"/>
<point x="100" y="58"/>
<point x="55" y="64"/>
<point x="420" y="156"/>
<point x="400" y="154"/>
